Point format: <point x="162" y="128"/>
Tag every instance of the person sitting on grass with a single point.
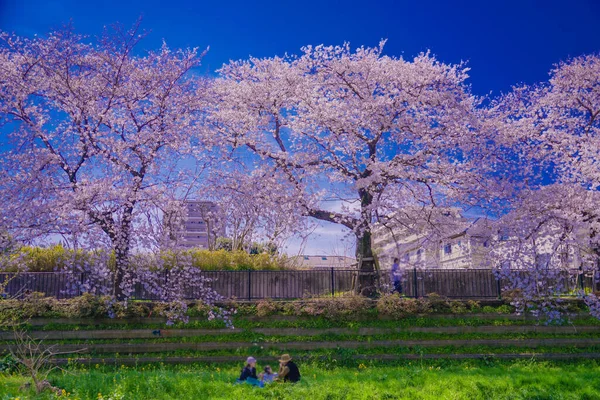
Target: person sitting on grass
<point x="288" y="370"/>
<point x="268" y="376"/>
<point x="248" y="374"/>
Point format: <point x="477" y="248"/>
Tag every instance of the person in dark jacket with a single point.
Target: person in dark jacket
<point x="288" y="370"/>
<point x="249" y="371"/>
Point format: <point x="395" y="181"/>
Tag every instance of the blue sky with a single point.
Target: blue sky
<point x="504" y="42"/>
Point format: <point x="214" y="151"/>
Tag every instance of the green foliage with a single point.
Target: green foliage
<point x="223" y="243"/>
<point x="33" y="305"/>
<point x="9" y="364"/>
<point x="394" y="306"/>
<point x="329" y="379"/>
<point x="223" y="260"/>
<point x="339" y="308"/>
<point x="458" y="307"/>
<point x="47" y="259"/>
<point x="84" y="306"/>
<point x="266" y="307"/>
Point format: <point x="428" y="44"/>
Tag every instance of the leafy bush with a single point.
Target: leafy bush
<point x="48" y="259"/>
<point x="35" y="305"/>
<point x="266" y="307"/>
<point x="458" y="307"/>
<point x="505" y="309"/>
<point x="235" y="260"/>
<point x="392" y="305"/>
<point x="84" y="306"/>
<point x="9" y="364"/>
<point x="474" y="306"/>
<point x="439" y="304"/>
<point x="292" y="308"/>
<point x="337" y="308"/>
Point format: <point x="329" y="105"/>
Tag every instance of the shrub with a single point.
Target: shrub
<point x="439" y="304"/>
<point x="84" y="306"/>
<point x="488" y="309"/>
<point x="234" y="260"/>
<point x="504" y="309"/>
<point x="337" y="308"/>
<point x="48" y="259"/>
<point x="9" y="364"/>
<point x="392" y="305"/>
<point x="458" y="307"/>
<point x="36" y="305"/>
<point x="266" y="307"/>
<point x="424" y="306"/>
<point x="474" y="306"/>
<point x="292" y="308"/>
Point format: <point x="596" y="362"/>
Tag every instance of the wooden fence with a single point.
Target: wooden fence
<point x="293" y="284"/>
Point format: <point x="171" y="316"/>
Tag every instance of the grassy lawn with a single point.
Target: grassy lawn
<point x="442" y="379"/>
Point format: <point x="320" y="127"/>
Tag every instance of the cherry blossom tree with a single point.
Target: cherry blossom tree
<point x="256" y="206"/>
<point x="554" y="129"/>
<point x="355" y="126"/>
<point x="96" y="138"/>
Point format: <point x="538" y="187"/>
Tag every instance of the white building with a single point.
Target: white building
<point x="440" y="240"/>
<point x="323" y="261"/>
<point x="466" y="243"/>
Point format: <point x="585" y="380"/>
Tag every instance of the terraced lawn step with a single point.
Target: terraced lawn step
<point x="161" y="320"/>
<point x="365" y="331"/>
<point x="132" y="348"/>
<point x="380" y="357"/>
<point x="122" y="333"/>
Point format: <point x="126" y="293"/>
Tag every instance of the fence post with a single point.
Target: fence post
<point x="332" y="283"/>
<point x="249" y="285"/>
<point x="415" y="282"/>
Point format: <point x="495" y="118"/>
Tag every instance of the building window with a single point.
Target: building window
<point x="324" y="258"/>
<point x="448" y="249"/>
<point x="306" y="257"/>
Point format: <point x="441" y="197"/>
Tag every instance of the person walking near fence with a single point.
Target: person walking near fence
<point x="288" y="370"/>
<point x="396" y="276"/>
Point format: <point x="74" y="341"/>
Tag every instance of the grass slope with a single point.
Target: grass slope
<point x="408" y="380"/>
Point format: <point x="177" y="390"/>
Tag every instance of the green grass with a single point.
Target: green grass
<point x="340" y="354"/>
<point x="486" y="379"/>
<point x="253" y="337"/>
<point x="320" y="322"/>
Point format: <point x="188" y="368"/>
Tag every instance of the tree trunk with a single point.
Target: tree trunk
<point x="366" y="273"/>
<point x="121" y="247"/>
<point x="121" y="265"/>
<point x="364" y="250"/>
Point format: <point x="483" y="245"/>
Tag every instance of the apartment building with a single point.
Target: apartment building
<point x="199" y="226"/>
<point x="466" y="243"/>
